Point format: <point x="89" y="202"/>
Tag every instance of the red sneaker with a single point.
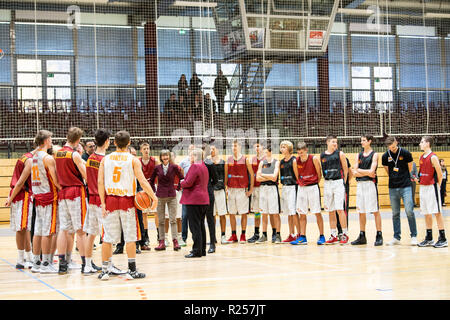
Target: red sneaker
<point x="332" y="240"/>
<point x="289" y="239"/>
<point x="344" y="239"/>
<point x="233" y="238"/>
<point x="242" y="240"/>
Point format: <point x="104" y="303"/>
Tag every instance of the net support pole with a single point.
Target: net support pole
<point x="151" y="74"/>
<point x="324" y="88"/>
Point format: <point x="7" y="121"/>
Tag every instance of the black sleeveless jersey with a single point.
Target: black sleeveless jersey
<point x="331" y="166"/>
<point x="365" y="163"/>
<point x="269" y="168"/>
<point x="220" y="173"/>
<point x="287" y="175"/>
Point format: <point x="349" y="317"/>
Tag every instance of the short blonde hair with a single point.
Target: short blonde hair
<point x="287" y="144"/>
<point x="198" y="154"/>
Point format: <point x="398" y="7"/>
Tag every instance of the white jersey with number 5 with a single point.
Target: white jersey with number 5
<point x="119" y="174"/>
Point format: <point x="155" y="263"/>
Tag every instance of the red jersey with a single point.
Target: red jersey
<point x="307" y="174"/>
<point x="68" y="173"/>
<point x="148" y="168"/>
<point x="427" y="173"/>
<point x="18" y="169"/>
<point x="237" y="173"/>
<point x="92" y="166"/>
<point x="255" y="165"/>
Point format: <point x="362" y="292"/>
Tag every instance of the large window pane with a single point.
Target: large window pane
<point x="58" y="79"/>
<point x="360" y="83"/>
<point x="383" y="84"/>
<point x="51" y="39"/>
<point x="58" y="65"/>
<point x="29" y="65"/>
<point x="373" y="49"/>
<point x="29" y="79"/>
<point x="361" y="72"/>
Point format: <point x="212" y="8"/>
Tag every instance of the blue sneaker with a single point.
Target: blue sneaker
<point x="321" y="240"/>
<point x="300" y="240"/>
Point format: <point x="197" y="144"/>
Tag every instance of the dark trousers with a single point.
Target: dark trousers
<point x="346" y="205"/>
<point x="443" y="190"/>
<point x="210" y="220"/>
<point x="221" y="104"/>
<point x="184" y="222"/>
<point x="196" y="218"/>
<point x="413" y="187"/>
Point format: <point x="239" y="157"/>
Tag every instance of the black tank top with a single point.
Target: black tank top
<point x="365" y="163"/>
<point x="220" y="173"/>
<point x="287" y="174"/>
<point x="269" y="168"/>
<point x="331" y="166"/>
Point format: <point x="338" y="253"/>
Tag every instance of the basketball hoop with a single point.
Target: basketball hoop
<point x="1" y="53"/>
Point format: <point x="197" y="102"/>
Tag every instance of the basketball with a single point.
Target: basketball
<point x="142" y="201"/>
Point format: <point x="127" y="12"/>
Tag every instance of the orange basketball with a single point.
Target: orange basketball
<point x="142" y="201"/>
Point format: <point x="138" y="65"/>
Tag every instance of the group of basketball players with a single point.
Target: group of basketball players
<point x="53" y="182"/>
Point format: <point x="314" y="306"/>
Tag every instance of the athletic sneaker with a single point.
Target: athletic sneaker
<point x="414" y="241"/>
<point x="224" y="240"/>
<point x="253" y="239"/>
<point x="289" y="239"/>
<point x="63" y="268"/>
<point x="321" y="240"/>
<point x="274" y="238"/>
<point x="166" y="242"/>
<point x="134" y="275"/>
<point x="361" y="240"/>
<point x="98" y="269"/>
<point x="20" y="265"/>
<point x="48" y="268"/>
<point x="441" y="243"/>
<point x="36" y="267"/>
<point x="300" y="240"/>
<point x="89" y="270"/>
<point x="28" y="264"/>
<point x="393" y="242"/>
<point x="72" y="265"/>
<point x="114" y="271"/>
<point x="182" y="243"/>
<point x="378" y="240"/>
<point x="104" y="275"/>
<point x="278" y="239"/>
<point x="344" y="239"/>
<point x="232" y="239"/>
<point x="262" y="239"/>
<point x="242" y="240"/>
<point x="332" y="240"/>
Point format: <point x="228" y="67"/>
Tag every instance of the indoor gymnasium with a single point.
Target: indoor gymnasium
<point x="224" y="150"/>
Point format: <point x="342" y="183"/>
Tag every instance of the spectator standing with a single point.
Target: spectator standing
<point x="220" y="90"/>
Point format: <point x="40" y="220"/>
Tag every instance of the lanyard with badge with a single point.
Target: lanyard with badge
<point x="396" y="160"/>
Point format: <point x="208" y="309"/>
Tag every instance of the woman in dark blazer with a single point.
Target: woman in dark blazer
<point x="196" y="198"/>
<point x="166" y="172"/>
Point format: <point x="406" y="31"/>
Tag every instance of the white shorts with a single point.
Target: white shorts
<point x="333" y="195"/>
<point x="254" y="202"/>
<point x="21" y="212"/>
<point x="46" y="222"/>
<point x="93" y="221"/>
<point x="237" y="202"/>
<point x="119" y="220"/>
<point x="269" y="199"/>
<point x="430" y="199"/>
<point x="288" y="200"/>
<point x="308" y="197"/>
<point x="220" y="202"/>
<point x="366" y="197"/>
<point x="72" y="214"/>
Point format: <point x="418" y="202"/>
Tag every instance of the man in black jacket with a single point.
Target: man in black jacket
<point x="220" y="90"/>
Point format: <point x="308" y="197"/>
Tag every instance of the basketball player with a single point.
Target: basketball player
<point x="20" y="201"/>
<point x="288" y="177"/>
<point x="269" y="199"/>
<point x="148" y="165"/>
<point x="365" y="172"/>
<point x="430" y="178"/>
<point x="237" y="170"/>
<point x="117" y="188"/>
<point x="335" y="171"/>
<point x="45" y="186"/>
<point x="254" y="199"/>
<point x="220" y="198"/>
<point x="308" y="194"/>
<point x="72" y="199"/>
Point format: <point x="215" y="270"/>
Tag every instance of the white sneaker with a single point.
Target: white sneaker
<point x="414" y="241"/>
<point x="224" y="240"/>
<point x="36" y="267"/>
<point x="72" y="265"/>
<point x="28" y="265"/>
<point x="88" y="269"/>
<point x="181" y="242"/>
<point x="393" y="242"/>
<point x="48" y="268"/>
<point x="113" y="270"/>
<point x="166" y="242"/>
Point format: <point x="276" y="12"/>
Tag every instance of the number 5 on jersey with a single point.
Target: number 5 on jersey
<point x="116" y="174"/>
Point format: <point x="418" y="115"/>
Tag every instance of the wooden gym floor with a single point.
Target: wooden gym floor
<point x="251" y="271"/>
